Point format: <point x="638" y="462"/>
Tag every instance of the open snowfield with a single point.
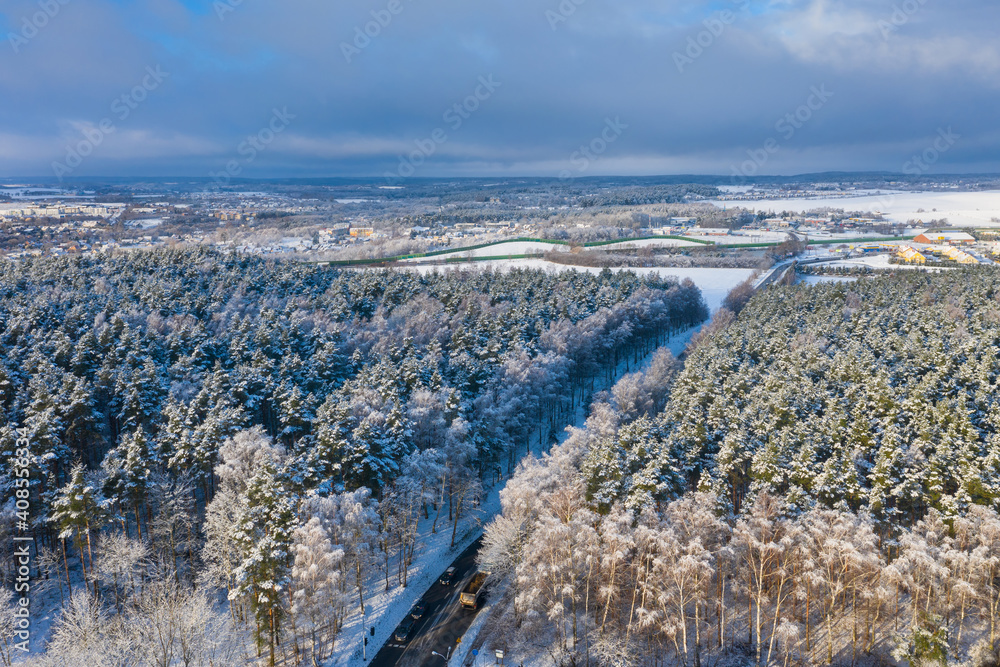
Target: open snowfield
<point x="749" y="236"/>
<point x="714" y="284"/>
<point x="529" y="247"/>
<point x="501" y="249"/>
<point x="967" y="209"/>
<point x="647" y="243"/>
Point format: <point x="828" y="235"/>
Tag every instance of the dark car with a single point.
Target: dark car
<point x="418" y="610"/>
<point x="448" y="577"/>
<point x="404" y="630"/>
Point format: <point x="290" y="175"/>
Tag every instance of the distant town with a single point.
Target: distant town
<point x="349" y="221"/>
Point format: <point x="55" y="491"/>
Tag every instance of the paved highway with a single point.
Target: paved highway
<point x="443" y="622"/>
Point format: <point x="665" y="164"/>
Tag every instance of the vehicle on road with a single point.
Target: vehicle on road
<point x="448" y="577"/>
<point x="418" y="610"/>
<point x="404" y="630"/>
<point x="473" y="591"/>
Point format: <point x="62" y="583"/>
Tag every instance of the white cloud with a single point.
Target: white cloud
<point x="865" y="36"/>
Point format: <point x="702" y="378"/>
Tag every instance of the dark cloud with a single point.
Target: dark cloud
<point x="700" y="86"/>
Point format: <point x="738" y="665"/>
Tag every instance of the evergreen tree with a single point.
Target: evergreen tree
<point x="263" y="539"/>
<point x="128" y="468"/>
<point x="77" y="511"/>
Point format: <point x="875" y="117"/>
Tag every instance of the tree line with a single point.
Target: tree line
<point x="818" y="484"/>
<point x="203" y="422"/>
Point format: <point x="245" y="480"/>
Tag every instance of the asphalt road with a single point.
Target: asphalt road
<point x="444" y="622"/>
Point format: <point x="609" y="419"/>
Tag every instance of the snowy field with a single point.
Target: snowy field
<point x="967" y="209"/>
<point x="749" y="236"/>
<point x="148" y="223"/>
<point x="714" y="284"/>
<point x="647" y="243"/>
<point x="529" y="247"/>
<point x="501" y="249"/>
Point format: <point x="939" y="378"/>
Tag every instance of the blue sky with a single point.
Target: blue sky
<point x="707" y="88"/>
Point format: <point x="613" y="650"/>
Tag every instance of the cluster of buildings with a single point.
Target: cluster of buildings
<point x="947" y="238"/>
<point x="61" y="211"/>
<point x="939" y="245"/>
<point x="672" y="226"/>
<point x="248" y="206"/>
<point x="821" y="191"/>
<point x="470" y="233"/>
<point x="911" y="255"/>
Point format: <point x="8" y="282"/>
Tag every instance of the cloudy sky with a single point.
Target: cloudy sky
<point x="364" y="87"/>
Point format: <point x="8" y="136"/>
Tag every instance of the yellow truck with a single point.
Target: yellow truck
<point x="470" y="595"/>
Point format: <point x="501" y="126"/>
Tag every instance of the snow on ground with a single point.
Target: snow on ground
<point x="816" y="280"/>
<point x="148" y="223"/>
<point x="530" y="247"/>
<point x="461" y="654"/>
<point x="859" y="235"/>
<point x="500" y="250"/>
<point x="871" y="262"/>
<point x="676" y="345"/>
<point x="386" y="609"/>
<point x="966" y="209"/>
<point x="714" y="284"/>
<point x="647" y="243"/>
<point x="747" y="236"/>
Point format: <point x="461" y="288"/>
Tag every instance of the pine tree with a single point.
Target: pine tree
<point x="263" y="538"/>
<point x="128" y="467"/>
<point x="78" y="510"/>
<point x="296" y="413"/>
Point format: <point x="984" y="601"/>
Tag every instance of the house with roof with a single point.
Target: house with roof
<point x="950" y="238"/>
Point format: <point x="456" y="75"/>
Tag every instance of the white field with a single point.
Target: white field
<point x="714" y="284"/>
<point x="963" y="209"/>
<point x="528" y="247"/>
<point x="749" y="236"/>
<point x="648" y="243"/>
<point x="500" y="250"/>
<point x="148" y="223"/>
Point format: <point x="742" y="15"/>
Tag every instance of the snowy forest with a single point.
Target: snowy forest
<point x="218" y="457"/>
<point x="818" y="485"/>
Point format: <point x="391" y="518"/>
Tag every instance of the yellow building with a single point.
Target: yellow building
<point x="954" y="254"/>
<point x="908" y="254"/>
